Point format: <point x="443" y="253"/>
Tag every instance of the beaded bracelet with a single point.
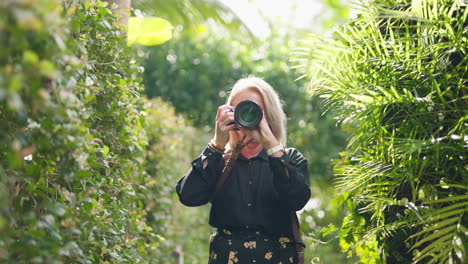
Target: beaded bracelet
<point x="214" y="149"/>
<point x="216" y="146"/>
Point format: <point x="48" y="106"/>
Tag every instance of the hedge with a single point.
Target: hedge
<point x="76" y="164"/>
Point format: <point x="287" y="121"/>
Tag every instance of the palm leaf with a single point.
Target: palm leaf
<point x="191" y="14"/>
<point x="395" y="78"/>
<point x="441" y="228"/>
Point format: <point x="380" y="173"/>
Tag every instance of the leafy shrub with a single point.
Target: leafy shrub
<point x="72" y="138"/>
<point x="173" y="143"/>
<point x="396" y="78"/>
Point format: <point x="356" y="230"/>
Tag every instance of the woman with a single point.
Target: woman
<point x="252" y="209"/>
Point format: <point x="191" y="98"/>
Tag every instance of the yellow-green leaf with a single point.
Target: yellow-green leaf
<point x="148" y="31"/>
<point x="363" y="98"/>
<point x="105" y="150"/>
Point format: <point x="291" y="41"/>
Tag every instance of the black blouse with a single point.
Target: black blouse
<point x="257" y="194"/>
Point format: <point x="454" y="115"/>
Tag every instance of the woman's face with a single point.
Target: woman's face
<point x="251" y="94"/>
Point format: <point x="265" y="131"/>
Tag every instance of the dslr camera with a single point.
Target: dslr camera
<point x="247" y="114"/>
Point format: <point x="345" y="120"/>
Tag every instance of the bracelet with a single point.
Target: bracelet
<point x="216" y="146"/>
<point x="212" y="148"/>
<point x="275" y="149"/>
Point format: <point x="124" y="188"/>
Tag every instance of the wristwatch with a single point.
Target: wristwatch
<point x="275" y="149"/>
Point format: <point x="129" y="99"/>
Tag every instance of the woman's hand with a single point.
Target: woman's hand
<point x="262" y="134"/>
<point x="224" y="123"/>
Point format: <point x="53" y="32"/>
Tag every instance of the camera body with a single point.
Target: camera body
<point x="248" y="114"/>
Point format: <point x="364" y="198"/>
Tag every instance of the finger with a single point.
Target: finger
<point x="226" y="118"/>
<point x="246" y="131"/>
<point x="229" y="126"/>
<point x="253" y="133"/>
<point x="264" y="126"/>
<point x="221" y="110"/>
<point x="224" y="109"/>
<point x="232" y="126"/>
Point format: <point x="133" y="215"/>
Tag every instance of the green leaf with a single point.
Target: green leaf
<point x="57" y="209"/>
<point x="30" y="57"/>
<point x="435" y="235"/>
<point x="363" y="98"/>
<point x="441" y="243"/>
<point x="449" y="199"/>
<point x="105" y="150"/>
<point x="148" y="31"/>
<point x="328" y="229"/>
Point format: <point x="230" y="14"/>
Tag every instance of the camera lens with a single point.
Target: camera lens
<point x="248" y="114"/>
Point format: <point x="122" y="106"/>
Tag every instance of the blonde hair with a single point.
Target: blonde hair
<point x="273" y="105"/>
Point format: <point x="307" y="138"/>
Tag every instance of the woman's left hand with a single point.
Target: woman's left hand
<point x="262" y="134"/>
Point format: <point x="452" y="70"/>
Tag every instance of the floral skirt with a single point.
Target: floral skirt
<point x="245" y="247"/>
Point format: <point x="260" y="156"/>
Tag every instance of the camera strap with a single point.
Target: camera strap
<point x="230" y="164"/>
<point x="300" y="245"/>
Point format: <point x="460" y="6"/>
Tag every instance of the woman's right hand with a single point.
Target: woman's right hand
<point x="224" y="124"/>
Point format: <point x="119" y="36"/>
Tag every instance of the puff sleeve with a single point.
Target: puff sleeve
<point x="196" y="186"/>
<point x="291" y="179"/>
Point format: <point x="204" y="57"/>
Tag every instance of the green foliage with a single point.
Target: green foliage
<point x="195" y="72"/>
<point x="189" y="73"/>
<point x="320" y="219"/>
<point x="73" y="184"/>
<point x="396" y="78"/>
<point x="340" y="13"/>
<point x="173" y="143"/>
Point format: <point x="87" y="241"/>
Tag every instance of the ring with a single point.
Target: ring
<point x="228" y="110"/>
